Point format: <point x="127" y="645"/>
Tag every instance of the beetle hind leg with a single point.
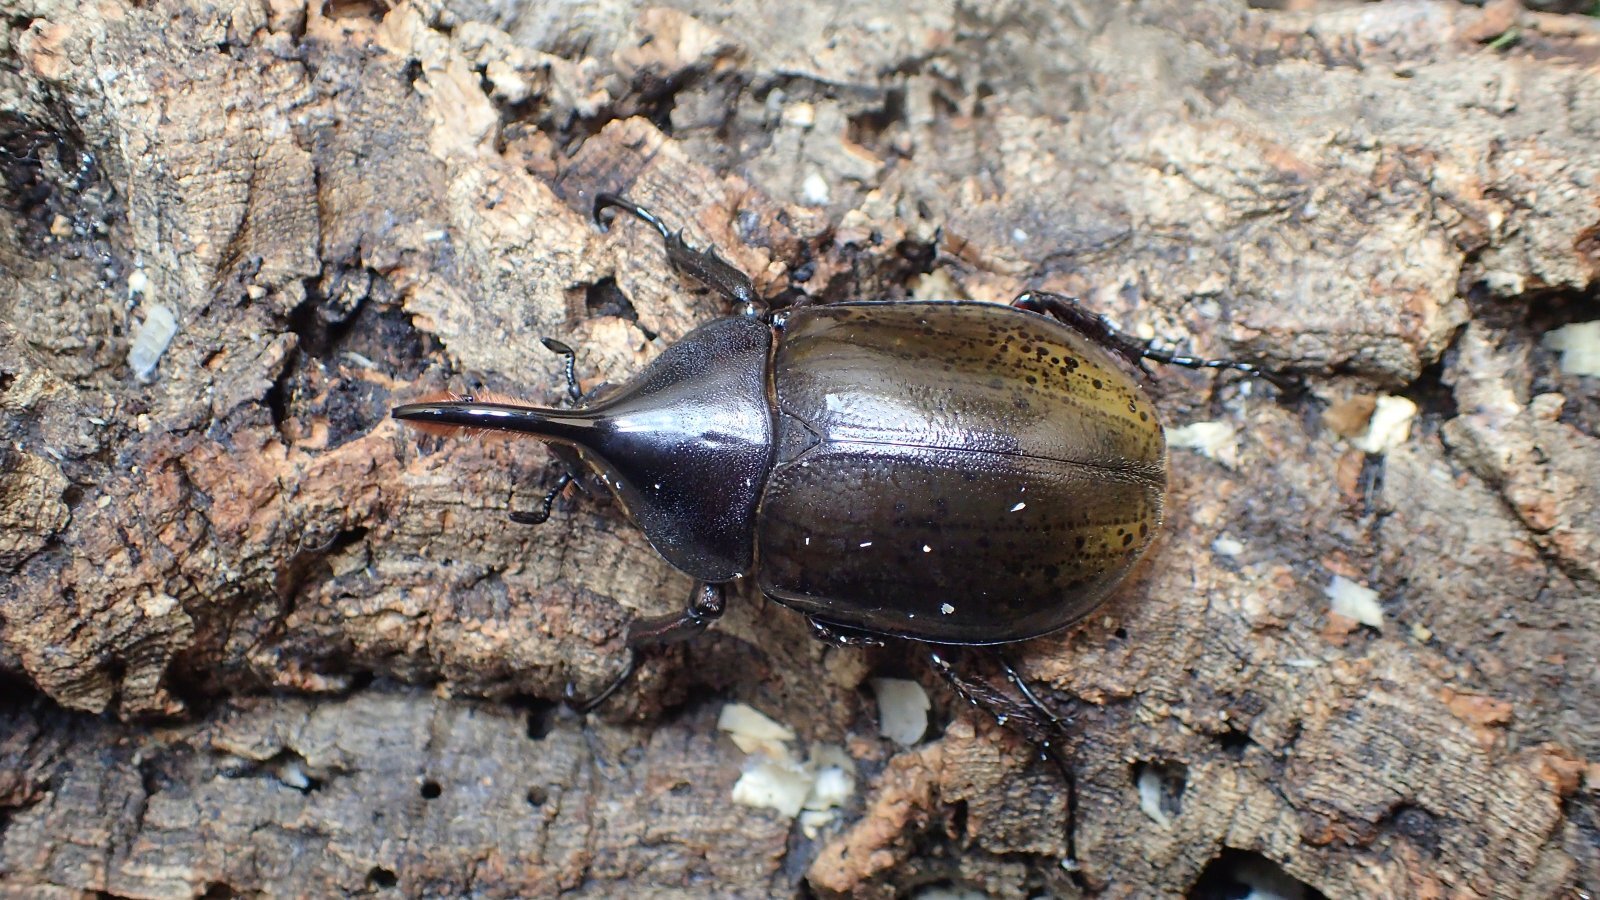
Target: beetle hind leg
<point x="705" y="266"/>
<point x="1057" y="726"/>
<point x="1070" y="312"/>
<point x="1029" y="718"/>
<point x="705" y="607"/>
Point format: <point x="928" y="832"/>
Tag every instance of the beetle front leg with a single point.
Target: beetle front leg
<point x="574" y="394"/>
<point x="705" y="606"/>
<point x="543" y="515"/>
<point x="704" y="266"/>
<point x="570" y="366"/>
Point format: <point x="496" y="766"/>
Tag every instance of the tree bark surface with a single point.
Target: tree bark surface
<point x="256" y="638"/>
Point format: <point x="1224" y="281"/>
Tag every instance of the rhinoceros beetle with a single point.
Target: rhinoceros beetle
<point x="951" y="473"/>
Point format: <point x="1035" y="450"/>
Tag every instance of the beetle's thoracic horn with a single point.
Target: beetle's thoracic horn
<point x="684" y="446"/>
<point x="568" y="426"/>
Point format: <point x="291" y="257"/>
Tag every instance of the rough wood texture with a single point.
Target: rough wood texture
<point x="256" y="638"/>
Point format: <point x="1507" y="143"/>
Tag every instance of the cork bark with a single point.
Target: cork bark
<point x="255" y="638"/>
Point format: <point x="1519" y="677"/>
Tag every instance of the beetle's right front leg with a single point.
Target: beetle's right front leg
<point x="705" y="606"/>
<point x="704" y="266"/>
<point x="570" y="463"/>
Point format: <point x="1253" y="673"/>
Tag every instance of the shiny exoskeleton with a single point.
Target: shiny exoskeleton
<point x="959" y="473"/>
<point x="947" y="472"/>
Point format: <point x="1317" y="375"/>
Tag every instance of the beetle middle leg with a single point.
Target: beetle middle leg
<point x="839" y="636"/>
<point x="706" y="605"/>
<point x="704" y="266"/>
<point x="1071" y="313"/>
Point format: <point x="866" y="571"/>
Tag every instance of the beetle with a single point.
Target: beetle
<point x="947" y="472"/>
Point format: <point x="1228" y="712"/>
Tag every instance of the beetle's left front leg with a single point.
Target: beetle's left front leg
<point x="705" y="607"/>
<point x="543" y="515"/>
